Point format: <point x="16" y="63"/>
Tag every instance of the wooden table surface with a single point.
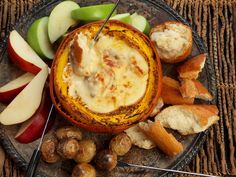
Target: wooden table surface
<point x="215" y="22"/>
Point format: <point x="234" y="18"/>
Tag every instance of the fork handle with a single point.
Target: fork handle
<point x="30" y="172"/>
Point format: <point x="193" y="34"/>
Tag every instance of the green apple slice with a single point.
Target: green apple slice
<point x="60" y="19"/>
<point x="93" y="13"/>
<point x="126" y="18"/>
<point x="37" y="37"/>
<point x="140" y="22"/>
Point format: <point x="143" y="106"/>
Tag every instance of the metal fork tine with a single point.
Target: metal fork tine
<point x="124" y="164"/>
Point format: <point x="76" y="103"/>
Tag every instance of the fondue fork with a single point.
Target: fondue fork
<point x="124" y="164"/>
<point x="72" y="60"/>
<point x="35" y="158"/>
<point x="95" y="39"/>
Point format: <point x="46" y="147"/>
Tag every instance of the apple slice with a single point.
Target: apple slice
<point x="140" y="22"/>
<point x="37" y="37"/>
<point x="60" y="19"/>
<point x="32" y="129"/>
<point x="9" y="91"/>
<point x="22" y="54"/>
<point x="26" y="102"/>
<point x="126" y="18"/>
<point x="92" y="13"/>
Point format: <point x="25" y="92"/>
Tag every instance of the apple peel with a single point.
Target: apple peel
<point x="32" y="129"/>
<point x="26" y="102"/>
<point x="11" y="89"/>
<point x="22" y="54"/>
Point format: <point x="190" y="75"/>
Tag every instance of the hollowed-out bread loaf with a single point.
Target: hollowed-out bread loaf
<point x="173" y="41"/>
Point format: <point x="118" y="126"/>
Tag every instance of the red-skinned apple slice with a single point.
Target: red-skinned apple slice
<point x="26" y="102"/>
<point x="22" y="54"/>
<point x="9" y="91"/>
<point x="32" y="129"/>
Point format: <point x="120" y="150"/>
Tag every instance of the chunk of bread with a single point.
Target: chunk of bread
<point x="194" y="89"/>
<point x="171" y="94"/>
<point x="173" y="41"/>
<point x="165" y="141"/>
<point x="157" y="108"/>
<point x="188" y="119"/>
<point x="139" y="139"/>
<point x="191" y="68"/>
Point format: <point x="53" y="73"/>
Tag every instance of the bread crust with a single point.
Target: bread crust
<point x="157" y="108"/>
<point x="187" y="50"/>
<point x="164" y="140"/>
<point x="202" y="112"/>
<point x="188" y="119"/>
<point x="171" y="94"/>
<point x="191" y="68"/>
<point x="194" y="89"/>
<point x="139" y="138"/>
<point x="203" y="93"/>
<point x="188" y="89"/>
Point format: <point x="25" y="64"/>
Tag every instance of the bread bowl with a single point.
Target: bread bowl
<point x="173" y="41"/>
<point x="108" y="115"/>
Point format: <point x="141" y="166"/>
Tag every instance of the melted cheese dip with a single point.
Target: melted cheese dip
<point x="110" y="75"/>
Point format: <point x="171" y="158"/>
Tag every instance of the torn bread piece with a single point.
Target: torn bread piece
<point x="191" y="68"/>
<point x="194" y="89"/>
<point x="165" y="141"/>
<point x="171" y="93"/>
<point x="188" y="119"/>
<point x="158" y="107"/>
<point x="173" y="41"/>
<point x="139" y="139"/>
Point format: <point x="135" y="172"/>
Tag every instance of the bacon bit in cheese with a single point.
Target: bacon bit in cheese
<point x="127" y="85"/>
<point x="111" y="60"/>
<point x="100" y="77"/>
<point x="136" y="69"/>
<point x="113" y="100"/>
<point x="112" y="88"/>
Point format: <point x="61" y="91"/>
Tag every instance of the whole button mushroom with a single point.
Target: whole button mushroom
<point x="120" y="144"/>
<point x="106" y="159"/>
<point x="48" y="149"/>
<point x="86" y="151"/>
<point x="69" y="132"/>
<point x="68" y="148"/>
<point x="83" y="170"/>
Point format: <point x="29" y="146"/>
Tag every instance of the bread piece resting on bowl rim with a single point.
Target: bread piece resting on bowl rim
<point x="117" y="81"/>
